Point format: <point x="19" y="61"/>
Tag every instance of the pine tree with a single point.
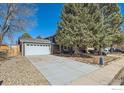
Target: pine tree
<point x="73" y="30"/>
<point x="107" y="26"/>
<point x="88" y="25"/>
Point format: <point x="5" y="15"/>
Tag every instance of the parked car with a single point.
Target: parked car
<point x="106" y="50"/>
<point x="119" y="50"/>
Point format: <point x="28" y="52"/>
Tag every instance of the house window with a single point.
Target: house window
<point x="27" y="44"/>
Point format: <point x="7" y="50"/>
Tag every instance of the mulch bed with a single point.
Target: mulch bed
<point x="92" y="59"/>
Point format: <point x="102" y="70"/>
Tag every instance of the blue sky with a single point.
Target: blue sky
<point x="122" y="8"/>
<point x="47" y="17"/>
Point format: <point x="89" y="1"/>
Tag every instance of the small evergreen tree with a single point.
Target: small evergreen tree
<point x="26" y="36"/>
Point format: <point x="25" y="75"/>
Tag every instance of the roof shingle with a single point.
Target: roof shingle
<point x="35" y="40"/>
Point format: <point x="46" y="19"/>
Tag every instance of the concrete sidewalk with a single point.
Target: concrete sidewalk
<point x="102" y="76"/>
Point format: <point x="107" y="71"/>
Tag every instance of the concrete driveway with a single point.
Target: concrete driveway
<point x="60" y="70"/>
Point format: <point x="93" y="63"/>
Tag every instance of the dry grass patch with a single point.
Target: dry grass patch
<point x="94" y="59"/>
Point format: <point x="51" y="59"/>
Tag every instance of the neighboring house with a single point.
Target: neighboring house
<point x="35" y="47"/>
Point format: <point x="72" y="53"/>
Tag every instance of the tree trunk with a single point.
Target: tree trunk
<point x="71" y="51"/>
<point x="111" y="49"/>
<point x="86" y="50"/>
<point x="0" y="42"/>
<point x="100" y="50"/>
<point x="76" y="51"/>
<point x="60" y="49"/>
<point x="1" y="39"/>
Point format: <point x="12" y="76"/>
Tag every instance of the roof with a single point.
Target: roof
<point x="51" y="38"/>
<point x="35" y="40"/>
<point x="3" y="45"/>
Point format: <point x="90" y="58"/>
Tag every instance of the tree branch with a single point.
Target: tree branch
<point x="4" y="29"/>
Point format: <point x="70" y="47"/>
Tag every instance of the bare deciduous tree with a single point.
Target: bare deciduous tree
<point x="16" y="18"/>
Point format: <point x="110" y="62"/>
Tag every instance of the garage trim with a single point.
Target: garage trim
<point x="40" y="44"/>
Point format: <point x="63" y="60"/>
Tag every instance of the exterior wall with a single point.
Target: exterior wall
<point x="55" y="49"/>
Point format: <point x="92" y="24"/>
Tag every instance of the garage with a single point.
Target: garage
<point x="35" y="47"/>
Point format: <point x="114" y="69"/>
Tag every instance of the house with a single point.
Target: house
<point x="35" y="47"/>
<point x="55" y="47"/>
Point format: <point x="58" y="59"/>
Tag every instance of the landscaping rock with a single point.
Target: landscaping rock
<point x="19" y="71"/>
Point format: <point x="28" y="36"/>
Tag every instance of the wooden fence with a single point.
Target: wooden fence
<point x="9" y="51"/>
<point x="14" y="50"/>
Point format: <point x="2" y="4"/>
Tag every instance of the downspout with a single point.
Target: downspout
<point x="51" y="47"/>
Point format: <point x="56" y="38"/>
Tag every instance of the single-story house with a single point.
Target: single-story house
<point x="35" y="47"/>
<point x="55" y="46"/>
